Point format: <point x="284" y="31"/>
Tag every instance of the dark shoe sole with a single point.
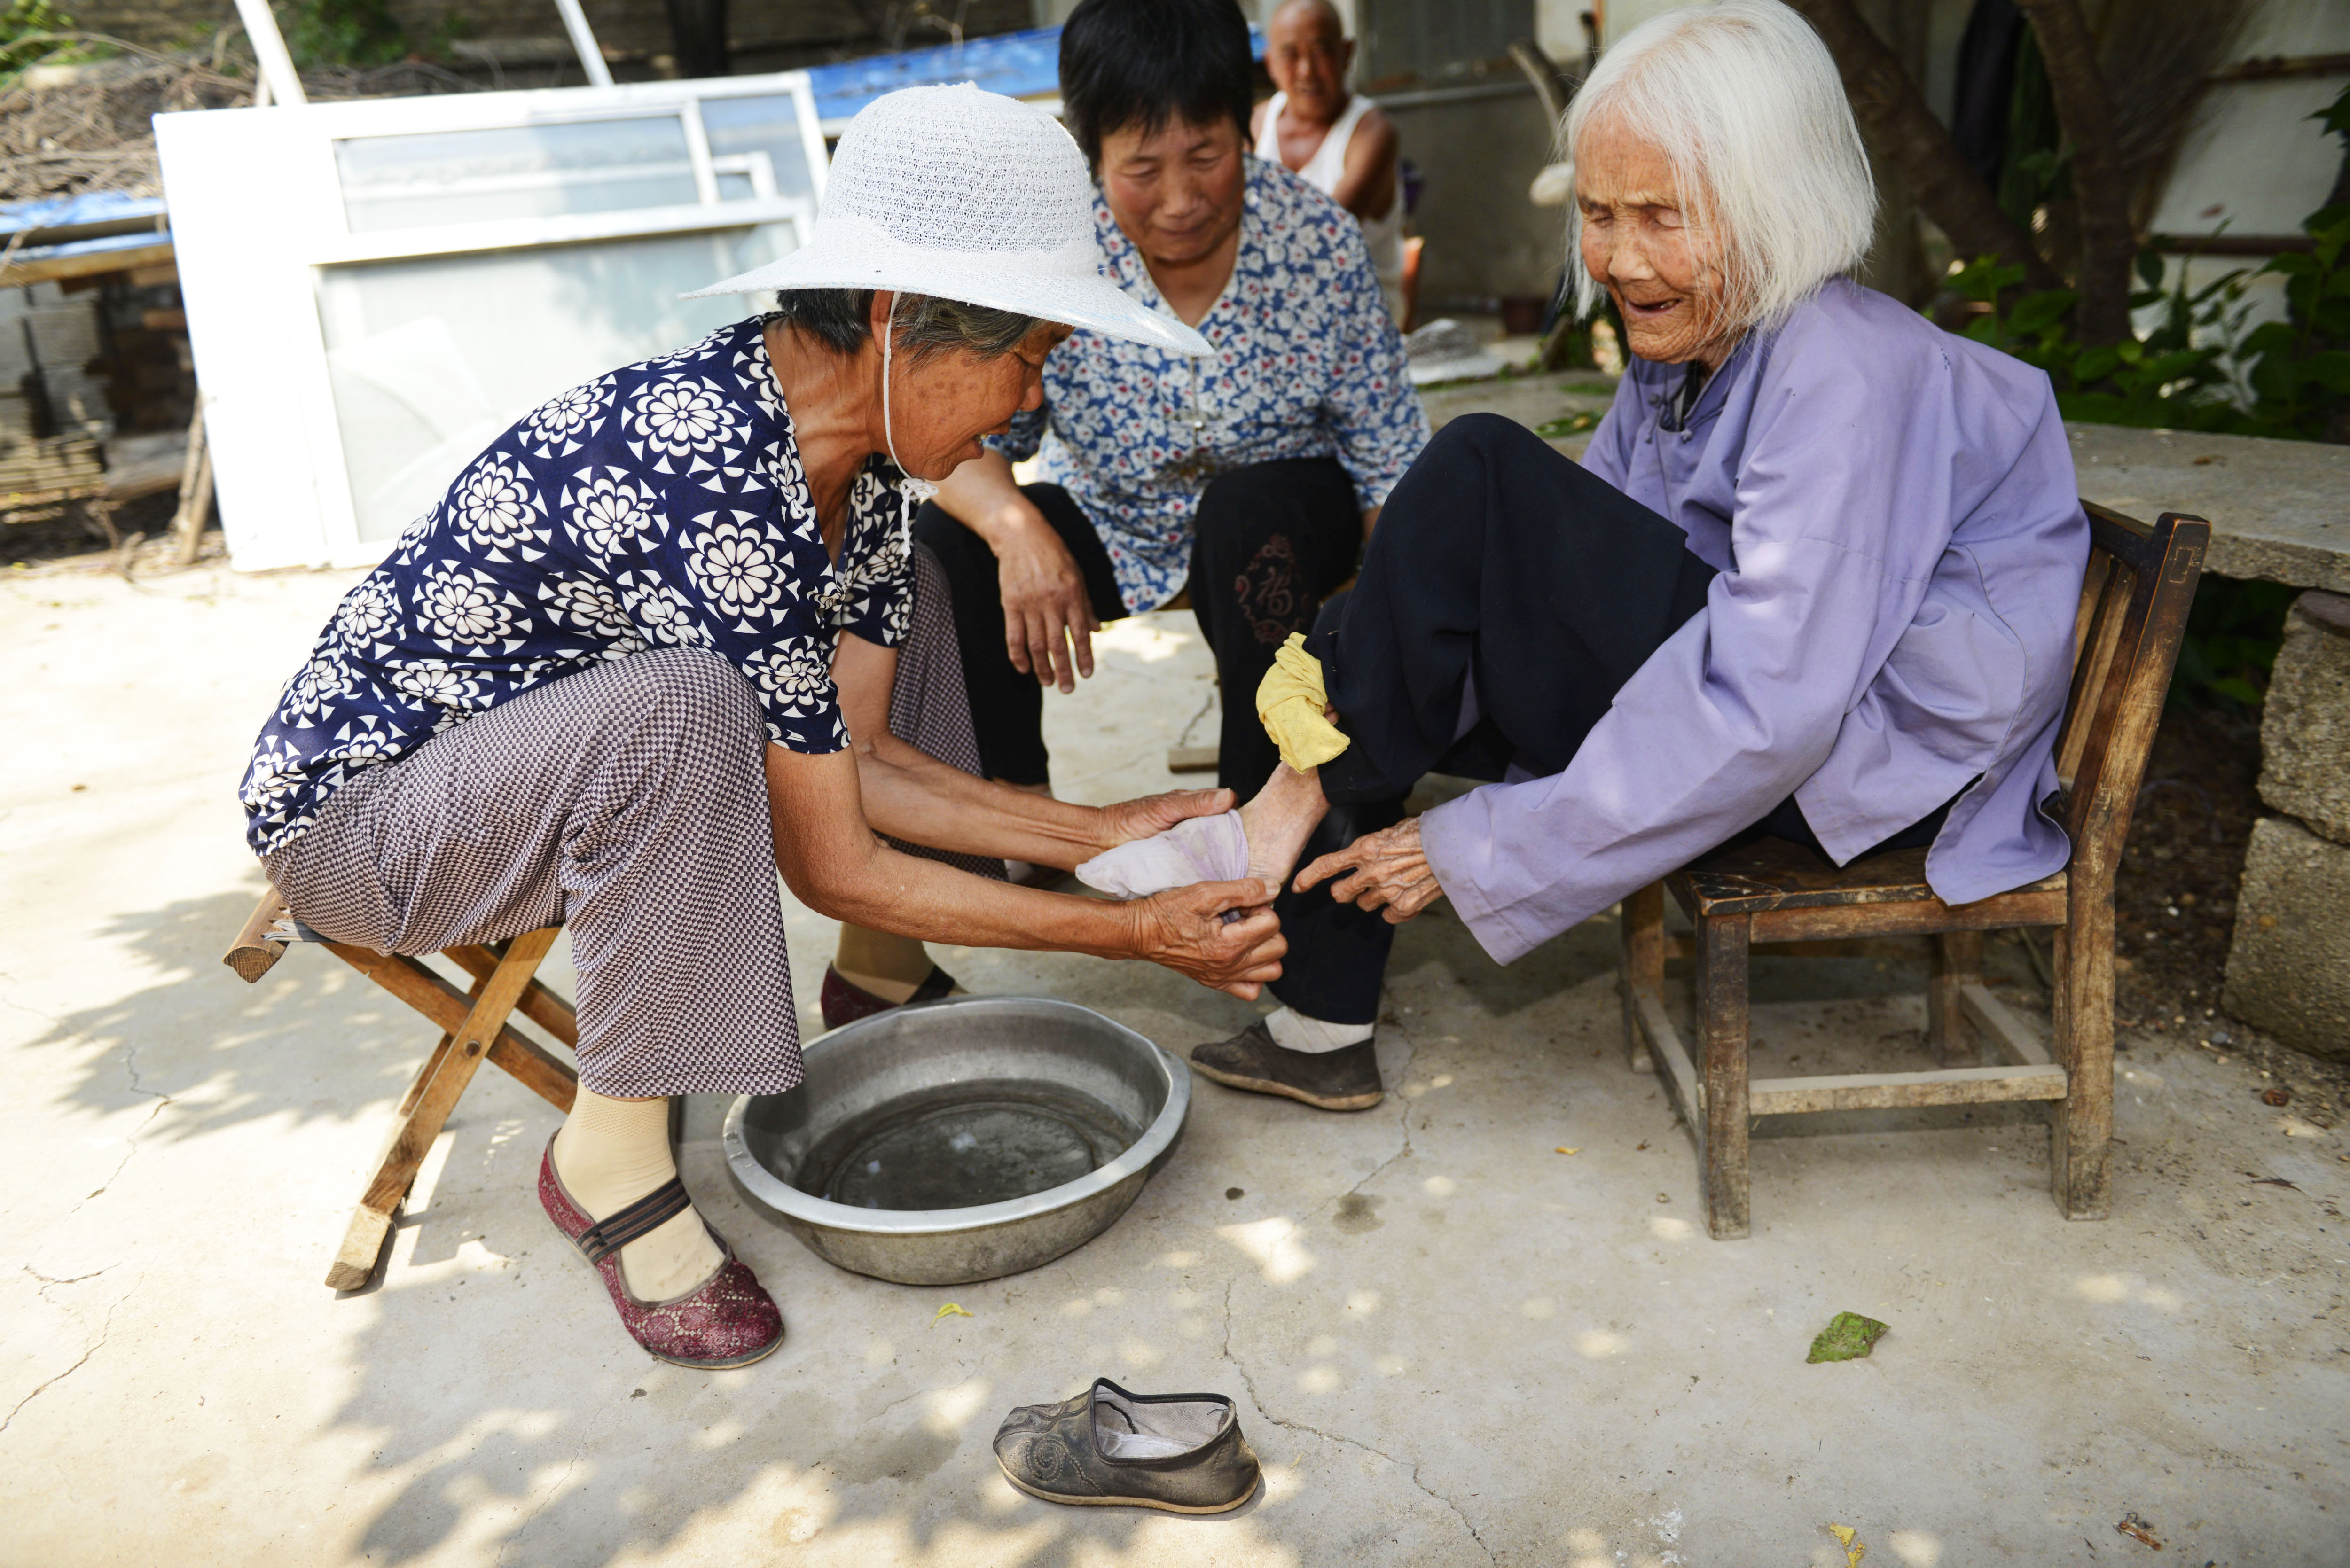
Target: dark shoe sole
<point x="1267" y="1086"/>
<point x="1123" y="1501"/>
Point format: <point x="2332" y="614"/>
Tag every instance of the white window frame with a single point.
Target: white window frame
<point x="257" y="210"/>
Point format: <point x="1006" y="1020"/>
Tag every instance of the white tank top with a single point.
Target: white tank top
<point x="1384" y="235"/>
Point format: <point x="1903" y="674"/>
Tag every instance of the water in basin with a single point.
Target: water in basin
<point x="964" y="1145"/>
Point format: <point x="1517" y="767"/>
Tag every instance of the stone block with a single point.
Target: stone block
<point x="2305" y="724"/>
<point x="2289" y="964"/>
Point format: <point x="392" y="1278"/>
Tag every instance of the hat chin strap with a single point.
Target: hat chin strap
<point x="911" y="492"/>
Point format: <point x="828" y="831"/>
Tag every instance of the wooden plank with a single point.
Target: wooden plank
<point x="1898" y="1091"/>
<point x="255" y="951"/>
<point x="2081" y="1134"/>
<point x="2034" y="906"/>
<point x="413" y="1132"/>
<point x="86" y="264"/>
<point x="1721" y="1027"/>
<point x="361" y="1251"/>
<point x="1194" y="759"/>
<point x="1957" y="962"/>
<point x="444" y="1004"/>
<point x="2016" y="1039"/>
<point x="1664" y="1043"/>
<point x="1643" y="928"/>
<point x="538" y="1004"/>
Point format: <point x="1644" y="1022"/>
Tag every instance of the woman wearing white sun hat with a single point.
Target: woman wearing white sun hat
<point x="606" y="681"/>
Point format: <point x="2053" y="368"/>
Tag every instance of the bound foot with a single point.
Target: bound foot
<point x="1280" y="820"/>
<point x="1262" y="839"/>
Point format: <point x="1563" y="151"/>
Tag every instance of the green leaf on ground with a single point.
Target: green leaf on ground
<point x="1848" y="1337"/>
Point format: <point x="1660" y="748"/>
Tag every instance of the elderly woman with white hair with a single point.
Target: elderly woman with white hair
<point x="1816" y="575"/>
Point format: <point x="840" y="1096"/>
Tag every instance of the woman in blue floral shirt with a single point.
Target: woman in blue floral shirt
<point x="1250" y="480"/>
<point x="646" y="651"/>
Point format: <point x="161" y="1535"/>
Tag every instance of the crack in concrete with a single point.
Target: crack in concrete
<point x="919" y="1393"/>
<point x="73" y="1280"/>
<point x="130" y="1139"/>
<point x="105" y="1328"/>
<point x="1411" y="1471"/>
<point x="1403" y="1128"/>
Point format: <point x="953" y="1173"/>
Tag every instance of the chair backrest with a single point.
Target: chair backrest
<point x="2135" y="598"/>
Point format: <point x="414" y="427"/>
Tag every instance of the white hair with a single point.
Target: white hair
<point x="1744" y="101"/>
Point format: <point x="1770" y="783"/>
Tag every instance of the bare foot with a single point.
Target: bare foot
<point x="1279" y="821"/>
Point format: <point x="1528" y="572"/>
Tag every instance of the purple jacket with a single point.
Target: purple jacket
<point x="1901" y="539"/>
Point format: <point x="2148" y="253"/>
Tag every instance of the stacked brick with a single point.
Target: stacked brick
<point x="2288" y="966"/>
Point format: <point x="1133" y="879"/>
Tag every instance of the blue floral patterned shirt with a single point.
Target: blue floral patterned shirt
<point x="663" y="504"/>
<point x="1307" y="364"/>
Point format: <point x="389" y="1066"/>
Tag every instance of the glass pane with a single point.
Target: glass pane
<point x="761" y="127"/>
<point x="430" y="359"/>
<point x="514" y="172"/>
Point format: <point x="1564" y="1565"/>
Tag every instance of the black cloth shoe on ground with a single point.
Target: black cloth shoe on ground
<point x="843" y="1002"/>
<point x="1346" y="1079"/>
<point x="1180" y="1452"/>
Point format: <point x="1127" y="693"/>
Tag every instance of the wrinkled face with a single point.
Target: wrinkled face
<point x="1308" y="55"/>
<point x="942" y="402"/>
<point x="1176" y="191"/>
<point x="1662" y="274"/>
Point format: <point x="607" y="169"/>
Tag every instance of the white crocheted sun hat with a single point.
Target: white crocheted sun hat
<point x="968" y="195"/>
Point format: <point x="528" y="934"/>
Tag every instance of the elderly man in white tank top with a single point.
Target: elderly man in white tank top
<point x="1337" y="141"/>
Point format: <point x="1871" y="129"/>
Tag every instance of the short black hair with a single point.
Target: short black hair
<point x="1128" y="62"/>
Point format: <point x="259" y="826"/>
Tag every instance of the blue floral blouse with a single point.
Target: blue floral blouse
<point x="661" y="505"/>
<point x="1307" y="364"/>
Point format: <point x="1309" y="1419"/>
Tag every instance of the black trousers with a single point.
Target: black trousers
<point x="1500" y="560"/>
<point x="1271" y="542"/>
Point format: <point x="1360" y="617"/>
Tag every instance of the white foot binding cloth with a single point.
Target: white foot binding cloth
<point x="1202" y="849"/>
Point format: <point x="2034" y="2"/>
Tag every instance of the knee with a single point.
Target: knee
<point x="1481" y="438"/>
<point x="1234" y="504"/>
<point x="695" y="690"/>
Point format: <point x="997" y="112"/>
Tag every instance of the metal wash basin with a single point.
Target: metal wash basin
<point x="961" y="1139"/>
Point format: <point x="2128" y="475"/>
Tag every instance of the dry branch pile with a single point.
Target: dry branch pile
<point x="92" y="132"/>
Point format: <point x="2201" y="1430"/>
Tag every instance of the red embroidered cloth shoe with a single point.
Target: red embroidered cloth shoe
<point x="727" y="1321"/>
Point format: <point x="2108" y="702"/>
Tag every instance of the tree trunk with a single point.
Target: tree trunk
<point x="1904" y="134"/>
<point x="2100" y="193"/>
<point x="697" y="31"/>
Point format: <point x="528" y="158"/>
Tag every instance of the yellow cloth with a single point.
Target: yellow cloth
<point x="1289" y="703"/>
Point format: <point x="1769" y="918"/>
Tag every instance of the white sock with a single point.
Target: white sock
<point x="1293" y="1031"/>
<point x="609" y="1154"/>
<point x="1199" y="849"/>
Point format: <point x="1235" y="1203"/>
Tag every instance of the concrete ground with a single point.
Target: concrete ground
<point x="1442" y="1331"/>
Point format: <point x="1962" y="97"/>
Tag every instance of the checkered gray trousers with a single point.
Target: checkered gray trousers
<point x="628" y="802"/>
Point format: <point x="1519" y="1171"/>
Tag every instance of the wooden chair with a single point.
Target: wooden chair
<point x="2134" y="603"/>
<point x="473" y="1024"/>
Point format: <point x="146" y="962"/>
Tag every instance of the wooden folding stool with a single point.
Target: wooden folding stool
<point x="473" y="1024"/>
<point x="2139" y="586"/>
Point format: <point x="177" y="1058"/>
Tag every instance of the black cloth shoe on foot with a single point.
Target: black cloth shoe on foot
<point x="1346" y="1079"/>
<point x="1181" y="1452"/>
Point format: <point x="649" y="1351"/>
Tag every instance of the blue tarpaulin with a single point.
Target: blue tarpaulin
<point x="1017" y="65"/>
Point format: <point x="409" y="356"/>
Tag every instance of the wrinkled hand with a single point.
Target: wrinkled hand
<point x="1184" y="929"/>
<point x="1048" y="618"/>
<point x="1387" y="871"/>
<point x="1150" y="814"/>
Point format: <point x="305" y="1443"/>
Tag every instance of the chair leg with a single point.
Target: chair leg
<point x="2081" y="1129"/>
<point x="1722" y="945"/>
<point x="1957" y="962"/>
<point x="1644" y="967"/>
<point x="423" y="1116"/>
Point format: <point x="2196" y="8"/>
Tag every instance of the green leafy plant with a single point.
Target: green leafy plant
<point x="341" y="33"/>
<point x="34" y="32"/>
